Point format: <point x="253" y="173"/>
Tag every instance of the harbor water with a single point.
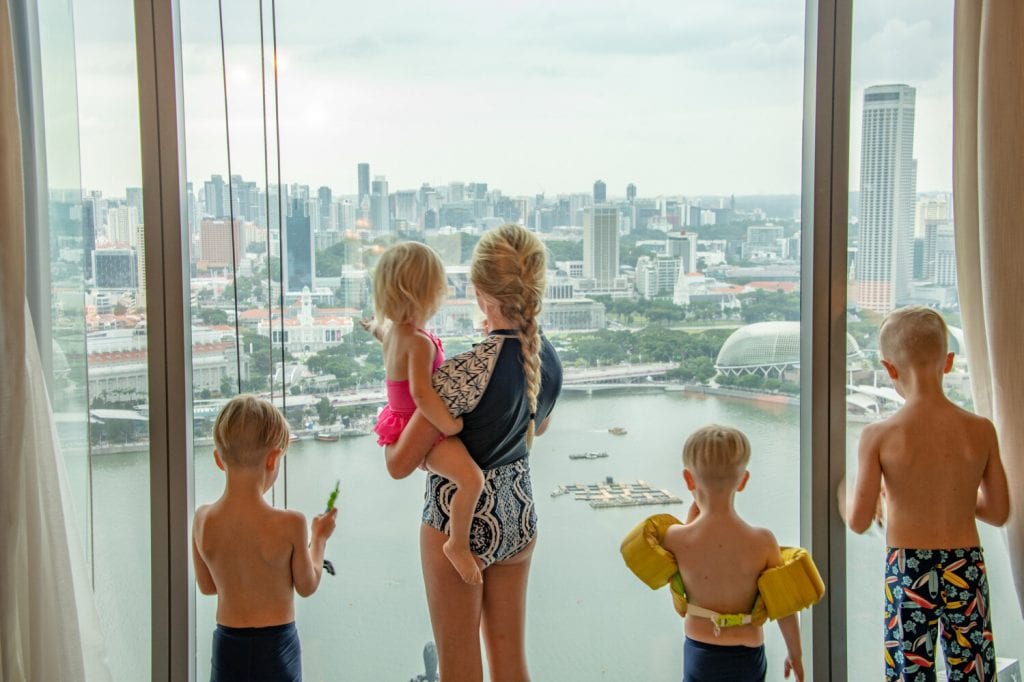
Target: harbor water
<point x="588" y="617"/>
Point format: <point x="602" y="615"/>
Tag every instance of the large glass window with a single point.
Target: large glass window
<point x="901" y="251"/>
<point x="664" y="181"/>
<point x="98" y="315"/>
<point x="656" y="150"/>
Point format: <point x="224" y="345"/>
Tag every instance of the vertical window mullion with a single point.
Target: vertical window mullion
<point x="823" y="316"/>
<point x="170" y="384"/>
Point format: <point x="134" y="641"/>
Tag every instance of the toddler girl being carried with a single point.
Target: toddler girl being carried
<point x="409" y="284"/>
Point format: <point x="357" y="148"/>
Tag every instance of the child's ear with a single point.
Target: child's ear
<point x="948" y="367"/>
<point x="743" y="481"/>
<point x="891" y="369"/>
<point x="273" y="457"/>
<point x="218" y="460"/>
<point x="688" y="477"/>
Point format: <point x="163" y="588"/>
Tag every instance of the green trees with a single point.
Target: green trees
<point x="357" y="361"/>
<point x="325" y="413"/>
<point x="696" y="352"/>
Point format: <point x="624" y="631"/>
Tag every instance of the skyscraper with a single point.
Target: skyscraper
<point x="600" y="192"/>
<point x="324" y="197"/>
<point x="380" y="206"/>
<point x="601" y="244"/>
<point x="888" y="189"/>
<point x="213" y="197"/>
<point x="630" y="192"/>
<point x="364" y="181"/>
<point x="299" y="264"/>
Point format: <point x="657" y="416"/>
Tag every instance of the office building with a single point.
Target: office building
<point x="299" y="259"/>
<point x="888" y="178"/>
<point x="220" y="244"/>
<point x="115" y="269"/>
<point x="600" y="192"/>
<point x="601" y="245"/>
<point x="683" y="245"/>
<point x="323" y="196"/>
<point x="363" y="170"/>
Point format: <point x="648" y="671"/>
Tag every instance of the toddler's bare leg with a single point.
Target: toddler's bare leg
<point x="450" y="459"/>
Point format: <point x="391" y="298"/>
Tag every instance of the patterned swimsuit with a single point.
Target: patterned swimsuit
<point x="931" y="593"/>
<point x="486" y="387"/>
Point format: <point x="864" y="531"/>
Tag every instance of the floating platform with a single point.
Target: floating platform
<point x="588" y="455"/>
<point x="610" y="493"/>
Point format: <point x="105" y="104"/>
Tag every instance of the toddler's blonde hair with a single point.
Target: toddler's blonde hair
<point x="717" y="454"/>
<point x="509" y="267"/>
<point x="409" y="283"/>
<point x="247" y="428"/>
<point x="914" y="335"/>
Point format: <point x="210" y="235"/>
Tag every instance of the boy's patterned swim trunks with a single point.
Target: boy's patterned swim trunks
<point x="932" y="593"/>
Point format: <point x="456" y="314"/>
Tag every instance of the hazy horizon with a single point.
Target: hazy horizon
<point x="682" y="100"/>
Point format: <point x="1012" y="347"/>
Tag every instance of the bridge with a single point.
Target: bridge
<point x="613" y="376"/>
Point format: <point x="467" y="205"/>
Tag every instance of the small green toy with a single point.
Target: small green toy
<point x="334" y="496"/>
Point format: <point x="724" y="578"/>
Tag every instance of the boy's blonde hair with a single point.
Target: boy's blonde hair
<point x="408" y="283"/>
<point x="510" y="267"/>
<point x="914" y="335"/>
<point x="247" y="428"/>
<point x="717" y="454"/>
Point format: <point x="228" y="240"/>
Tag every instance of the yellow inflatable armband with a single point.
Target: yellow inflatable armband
<point x="782" y="590"/>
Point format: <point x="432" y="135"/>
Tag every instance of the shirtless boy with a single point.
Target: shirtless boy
<point x="720" y="557"/>
<point x="252" y="556"/>
<point x="941" y="470"/>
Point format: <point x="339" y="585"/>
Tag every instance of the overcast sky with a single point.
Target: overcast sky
<point x="684" y="98"/>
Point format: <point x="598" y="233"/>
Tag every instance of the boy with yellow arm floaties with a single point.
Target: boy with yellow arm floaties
<point x="727" y="576"/>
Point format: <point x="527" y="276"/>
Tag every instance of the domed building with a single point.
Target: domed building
<point x="770" y="349"/>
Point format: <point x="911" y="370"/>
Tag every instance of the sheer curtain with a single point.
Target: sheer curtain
<point x="48" y="627"/>
<point x="988" y="187"/>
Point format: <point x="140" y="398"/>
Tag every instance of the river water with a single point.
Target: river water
<point x="588" y="617"/>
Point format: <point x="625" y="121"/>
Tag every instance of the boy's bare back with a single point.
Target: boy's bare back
<point x="932" y="458"/>
<point x="253" y="557"/>
<point x="719" y="561"/>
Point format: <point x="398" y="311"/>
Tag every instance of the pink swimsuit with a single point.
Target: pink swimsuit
<point x="396" y="414"/>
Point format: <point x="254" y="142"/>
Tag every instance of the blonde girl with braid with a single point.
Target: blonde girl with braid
<point x="504" y="390"/>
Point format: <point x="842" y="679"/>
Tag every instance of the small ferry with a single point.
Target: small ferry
<point x="617" y="431"/>
<point x="326" y="436"/>
<point x="588" y="455"/>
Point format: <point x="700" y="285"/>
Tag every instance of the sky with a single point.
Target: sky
<point x="678" y="97"/>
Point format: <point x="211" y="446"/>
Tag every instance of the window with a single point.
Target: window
<point x="901" y="245"/>
<point x="657" y="153"/>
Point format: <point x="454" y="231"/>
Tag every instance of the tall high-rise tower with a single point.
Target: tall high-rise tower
<point x="630" y="192"/>
<point x="364" y="181"/>
<point x="601" y="244"/>
<point x="380" y="206"/>
<point x="888" y="190"/>
<point x="323" y="196"/>
<point x="297" y="242"/>
<point x="600" y="192"/>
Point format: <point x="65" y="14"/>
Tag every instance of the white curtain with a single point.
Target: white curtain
<point x="48" y="627"/>
<point x="988" y="188"/>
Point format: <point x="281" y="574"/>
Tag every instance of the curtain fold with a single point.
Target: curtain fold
<point x="988" y="189"/>
<point x="48" y="625"/>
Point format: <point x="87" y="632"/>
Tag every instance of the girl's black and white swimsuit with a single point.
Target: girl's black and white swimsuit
<point x="486" y="386"/>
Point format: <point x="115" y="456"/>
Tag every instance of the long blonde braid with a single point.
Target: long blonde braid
<point x="509" y="267"/>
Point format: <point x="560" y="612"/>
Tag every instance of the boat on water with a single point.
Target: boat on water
<point x="326" y="437"/>
<point x="292" y="437"/>
<point x="588" y="455"/>
<point x="617" y="431"/>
